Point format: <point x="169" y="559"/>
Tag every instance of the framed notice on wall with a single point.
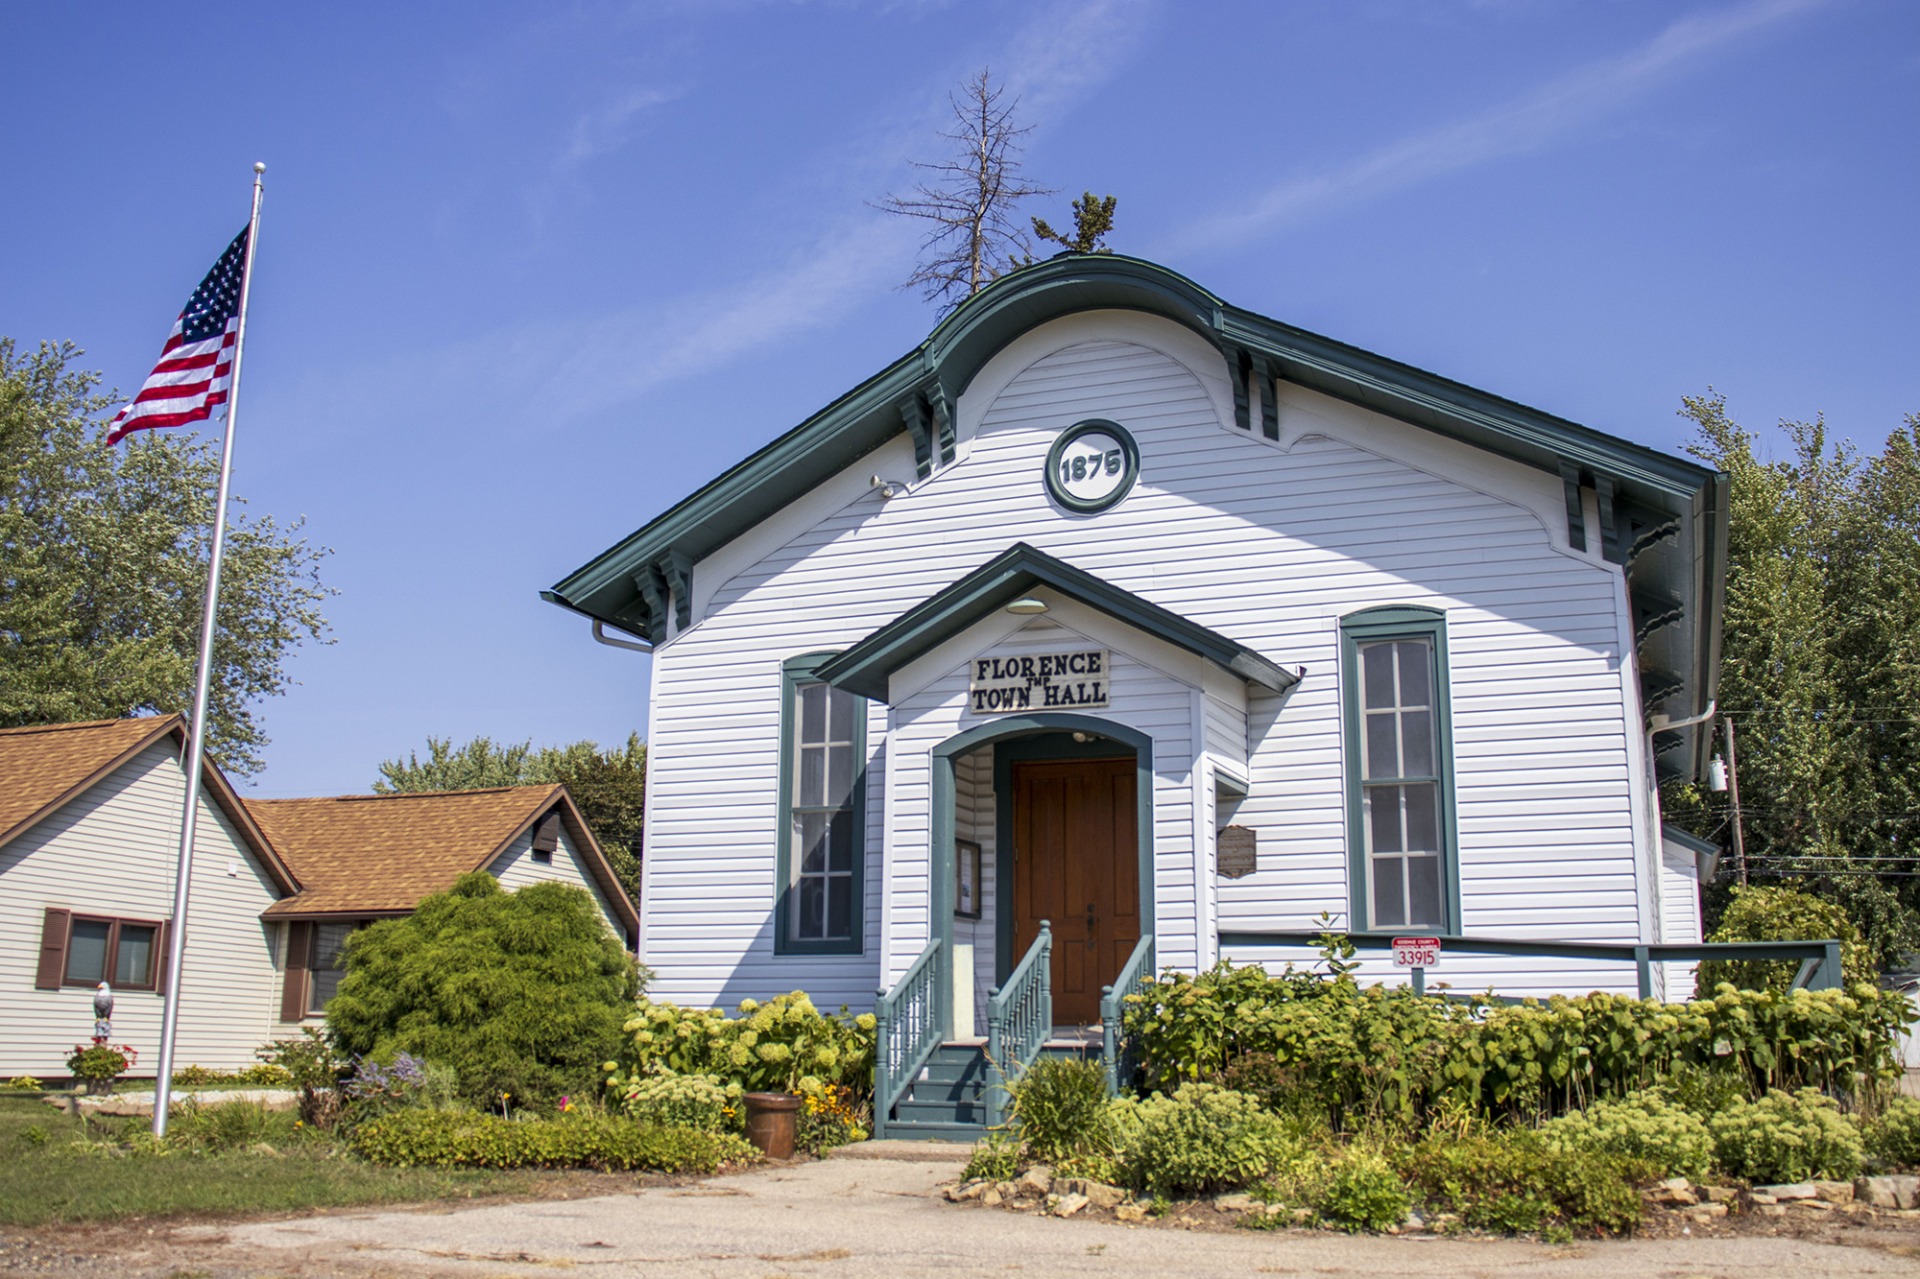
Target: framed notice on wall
<point x="966" y="879"/>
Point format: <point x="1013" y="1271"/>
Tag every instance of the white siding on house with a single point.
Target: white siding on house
<point x="1268" y="543"/>
<point x="515" y="868"/>
<point x="112" y="852"/>
<point x="975" y="818"/>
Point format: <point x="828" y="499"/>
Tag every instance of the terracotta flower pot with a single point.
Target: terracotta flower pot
<point x="773" y="1119"/>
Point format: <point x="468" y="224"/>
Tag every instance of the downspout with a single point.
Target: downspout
<point x="600" y="636"/>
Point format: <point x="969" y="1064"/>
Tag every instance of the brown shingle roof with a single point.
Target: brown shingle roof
<point x="380" y="854"/>
<point x="44" y="766"/>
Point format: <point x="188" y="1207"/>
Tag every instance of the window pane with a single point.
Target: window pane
<point x="810" y="909"/>
<point x="133" y="965"/>
<point x="1383" y="819"/>
<point x="840" y="703"/>
<point x="1383" y="754"/>
<point x="1416" y="740"/>
<point x="1377" y="660"/>
<point x="813" y="777"/>
<point x="87" y="951"/>
<point x="1423" y="891"/>
<point x="813" y="712"/>
<point x="839" y="775"/>
<point x="1389" y="894"/>
<point x="840" y="842"/>
<point x="812" y="828"/>
<point x="1423" y="817"/>
<point x="840" y="906"/>
<point x="1416" y="671"/>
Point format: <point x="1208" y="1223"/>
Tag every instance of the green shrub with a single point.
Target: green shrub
<point x="1376" y="1054"/>
<point x="468" y="1139"/>
<point x="1643" y="1126"/>
<point x="1060" y="1107"/>
<point x="1786" y="1137"/>
<point x="312" y="1066"/>
<point x="1516" y="1183"/>
<point x="777" y="1046"/>
<point x="1364" y="1194"/>
<point x="25" y="1083"/>
<point x="1893" y="1139"/>
<point x="522" y="993"/>
<point x="1767" y="913"/>
<point x="686" y="1101"/>
<point x="228" y="1125"/>
<point x="1201" y="1139"/>
<point x="996" y="1157"/>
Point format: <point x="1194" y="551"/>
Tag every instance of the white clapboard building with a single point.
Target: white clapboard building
<point x="1116" y="606"/>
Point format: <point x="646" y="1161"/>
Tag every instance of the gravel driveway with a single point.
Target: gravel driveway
<point x="856" y="1217"/>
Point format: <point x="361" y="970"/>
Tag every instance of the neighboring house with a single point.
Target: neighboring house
<point x="1115" y="605"/>
<point x="89" y="838"/>
<point x="346" y="853"/>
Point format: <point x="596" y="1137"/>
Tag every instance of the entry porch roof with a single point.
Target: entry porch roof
<point x="1015" y="572"/>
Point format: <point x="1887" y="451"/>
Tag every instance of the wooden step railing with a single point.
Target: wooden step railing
<point x="1116" y="1054"/>
<point x="907" y="1030"/>
<point x="1019" y="1020"/>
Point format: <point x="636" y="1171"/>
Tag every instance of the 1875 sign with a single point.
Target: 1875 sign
<point x="1048" y="681"/>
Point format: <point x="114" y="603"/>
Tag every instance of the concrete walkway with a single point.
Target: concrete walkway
<point x="878" y="1215"/>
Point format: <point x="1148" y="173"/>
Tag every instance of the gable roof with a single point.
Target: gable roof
<point x="43" y="767"/>
<point x="361" y="855"/>
<point x="865" y="668"/>
<point x="1671" y="510"/>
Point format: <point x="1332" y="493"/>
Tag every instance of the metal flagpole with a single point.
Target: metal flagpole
<point x="196" y="727"/>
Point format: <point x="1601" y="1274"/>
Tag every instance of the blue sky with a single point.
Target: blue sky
<point x="529" y="274"/>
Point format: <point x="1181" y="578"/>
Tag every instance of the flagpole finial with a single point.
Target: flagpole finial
<point x="259" y="166"/>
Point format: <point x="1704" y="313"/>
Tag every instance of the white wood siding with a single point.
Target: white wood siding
<point x="1268" y="543"/>
<point x="975" y="817"/>
<point x="112" y="852"/>
<point x="515" y="868"/>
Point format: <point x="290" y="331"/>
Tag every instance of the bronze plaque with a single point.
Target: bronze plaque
<point x="1238" y="851"/>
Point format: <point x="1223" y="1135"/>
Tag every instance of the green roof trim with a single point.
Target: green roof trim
<point x="866" y="667"/>
<point x="644" y="583"/>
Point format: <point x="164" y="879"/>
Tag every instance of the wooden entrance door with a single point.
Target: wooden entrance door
<point x="1076" y="841"/>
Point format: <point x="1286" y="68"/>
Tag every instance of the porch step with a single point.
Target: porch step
<point x="948" y="1101"/>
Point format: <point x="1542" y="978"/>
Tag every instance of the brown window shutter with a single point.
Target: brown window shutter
<point x="161" y="941"/>
<point x="546" y="836"/>
<point x="293" y="992"/>
<point x="53" y="949"/>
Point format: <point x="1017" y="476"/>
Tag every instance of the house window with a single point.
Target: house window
<point x="328" y="941"/>
<point x="1399" y="770"/>
<point x="823" y="814"/>
<point x="119" y="951"/>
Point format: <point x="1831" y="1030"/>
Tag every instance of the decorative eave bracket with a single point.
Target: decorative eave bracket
<point x="927" y="414"/>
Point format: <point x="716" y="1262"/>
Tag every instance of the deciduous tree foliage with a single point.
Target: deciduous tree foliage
<point x="521" y="993"/>
<point x="610" y="785"/>
<point x="103" y="568"/>
<point x="1821" y="669"/>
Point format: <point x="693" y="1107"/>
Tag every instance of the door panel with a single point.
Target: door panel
<point x="1076" y="863"/>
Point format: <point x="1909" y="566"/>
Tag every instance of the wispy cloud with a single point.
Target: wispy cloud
<point x="607" y="126"/>
<point x="1525" y="124"/>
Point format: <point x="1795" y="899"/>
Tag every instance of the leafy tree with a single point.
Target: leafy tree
<point x="970" y="198"/>
<point x="610" y="785"/>
<point x="521" y="993"/>
<point x="1821" y="669"/>
<point x="1772" y="913"/>
<point x="1092" y="223"/>
<point x="103" y="568"/>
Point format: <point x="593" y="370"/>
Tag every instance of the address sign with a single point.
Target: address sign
<point x="1416" y="952"/>
<point x="1048" y="681"/>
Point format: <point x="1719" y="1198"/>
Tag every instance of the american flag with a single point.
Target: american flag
<point x="196" y="367"/>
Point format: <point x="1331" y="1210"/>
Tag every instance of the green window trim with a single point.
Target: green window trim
<point x="1370" y="626"/>
<point x="795" y="674"/>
